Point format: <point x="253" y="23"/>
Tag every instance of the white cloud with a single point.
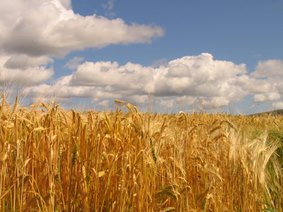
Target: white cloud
<point x="50" y="27"/>
<point x="132" y="78"/>
<point x="267" y="81"/>
<point x="215" y="102"/>
<point x="197" y="82"/>
<point x="60" y="89"/>
<point x="200" y="76"/>
<point x="193" y="80"/>
<point x="104" y="103"/>
<point x="264" y="97"/>
<point x="35" y="31"/>
<point x="167" y="103"/>
<point x="269" y="69"/>
<point x="278" y="105"/>
<point x="66" y="3"/>
<point x="30" y="74"/>
<point x="74" y="63"/>
<point x="24" y="62"/>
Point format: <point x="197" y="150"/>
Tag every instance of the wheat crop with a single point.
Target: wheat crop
<point x="53" y="159"/>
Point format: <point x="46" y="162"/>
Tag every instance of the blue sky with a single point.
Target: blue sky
<point x="174" y="55"/>
<point x="241" y="31"/>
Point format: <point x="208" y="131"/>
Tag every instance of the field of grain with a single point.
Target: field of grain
<point x="53" y="159"/>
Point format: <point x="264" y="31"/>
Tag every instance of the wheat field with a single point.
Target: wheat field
<point x="52" y="159"/>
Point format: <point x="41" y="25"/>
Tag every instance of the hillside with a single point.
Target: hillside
<point x="273" y="112"/>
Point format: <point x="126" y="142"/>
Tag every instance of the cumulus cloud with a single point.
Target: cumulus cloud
<point x="268" y="83"/>
<point x="16" y="71"/>
<point x="50" y="27"/>
<point x="269" y="69"/>
<point x="200" y="80"/>
<point x="24" y="62"/>
<point x="33" y="33"/>
<point x="278" y="105"/>
<point x="74" y="62"/>
<point x="130" y="77"/>
<point x="60" y="89"/>
<point x="66" y="3"/>
<point x="264" y="97"/>
<point x="200" y="76"/>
